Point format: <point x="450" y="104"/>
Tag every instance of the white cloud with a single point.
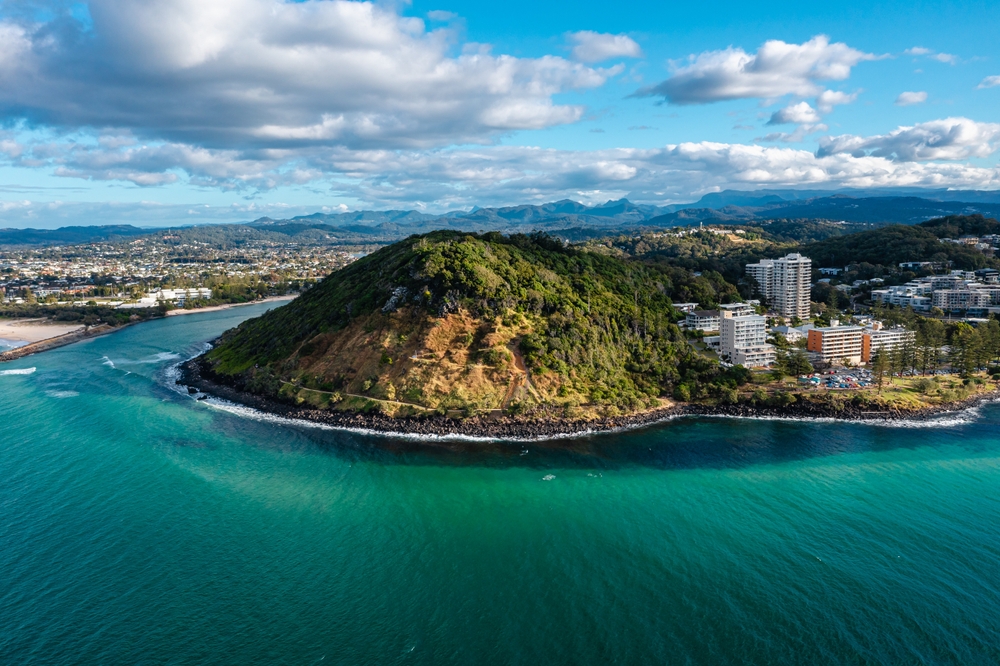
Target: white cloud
<point x="831" y="98"/>
<point x="439" y="180"/>
<point x="919" y="51"/>
<point x="264" y="74"/>
<point x="946" y="139"/>
<point x="504" y="175"/>
<point x="797" y="136"/>
<point x="989" y="82"/>
<point x="910" y="98"/>
<point x="598" y="47"/>
<point x="777" y="69"/>
<point x="798" y="114"/>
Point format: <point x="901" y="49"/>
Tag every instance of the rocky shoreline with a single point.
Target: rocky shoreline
<point x="512" y="428"/>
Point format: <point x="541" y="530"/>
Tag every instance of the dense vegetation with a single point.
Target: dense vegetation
<point x="90" y="315"/>
<point x="603" y="326"/>
<point x="889" y="246"/>
<point x="956" y="226"/>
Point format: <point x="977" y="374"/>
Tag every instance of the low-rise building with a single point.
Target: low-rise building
<point x="162" y="296"/>
<point x="886" y="339"/>
<point x="738" y="309"/>
<point x="954" y="300"/>
<point x="836" y="344"/>
<point x="790" y="333"/>
<point x="702" y="320"/>
<point x="685" y="307"/>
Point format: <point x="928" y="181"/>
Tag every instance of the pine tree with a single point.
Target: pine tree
<point x="880" y="365"/>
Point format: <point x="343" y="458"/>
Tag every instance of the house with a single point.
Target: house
<point x="702" y="320"/>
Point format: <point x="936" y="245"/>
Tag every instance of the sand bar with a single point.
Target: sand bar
<point x="34" y="330"/>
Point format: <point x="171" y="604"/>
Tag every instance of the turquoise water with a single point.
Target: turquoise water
<point x="138" y="526"/>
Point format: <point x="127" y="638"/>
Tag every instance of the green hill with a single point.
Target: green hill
<point x="956" y="226"/>
<point x="460" y="321"/>
<point x="891" y="245"/>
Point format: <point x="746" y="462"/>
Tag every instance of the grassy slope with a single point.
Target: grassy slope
<point x="594" y="332"/>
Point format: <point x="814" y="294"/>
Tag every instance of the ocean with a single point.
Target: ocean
<point x="140" y="526"/>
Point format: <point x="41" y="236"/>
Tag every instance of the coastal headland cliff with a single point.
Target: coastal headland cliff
<point x="507" y="336"/>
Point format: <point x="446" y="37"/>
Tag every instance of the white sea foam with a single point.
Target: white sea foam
<point x="172" y="373"/>
<point x="108" y="362"/>
<point x="950" y="420"/>
<point x="946" y="420"/>
<point x="61" y="394"/>
<point x="157" y="358"/>
<point x="264" y="417"/>
<point x="18" y="371"/>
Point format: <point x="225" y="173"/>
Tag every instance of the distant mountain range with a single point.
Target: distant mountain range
<point x="877" y="207"/>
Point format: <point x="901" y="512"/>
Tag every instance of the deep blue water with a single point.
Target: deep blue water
<point x="138" y="526"/>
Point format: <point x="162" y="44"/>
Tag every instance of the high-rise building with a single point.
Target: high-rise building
<point x="743" y="340"/>
<point x="785" y="282"/>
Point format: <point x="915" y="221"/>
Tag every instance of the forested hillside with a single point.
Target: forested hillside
<point x="892" y="245"/>
<point x="455" y="320"/>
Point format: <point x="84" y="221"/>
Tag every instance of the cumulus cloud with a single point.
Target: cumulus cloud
<point x="597" y="47"/>
<point x="265" y="74"/>
<point x="798" y="114"/>
<point x="796" y="136"/>
<point x="831" y="98"/>
<point x="503" y="175"/>
<point x="910" y="98"/>
<point x="989" y="82"/>
<point x="946" y="139"/>
<point x="443" y="179"/>
<point x="775" y="70"/>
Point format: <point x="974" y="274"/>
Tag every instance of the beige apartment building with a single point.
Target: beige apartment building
<point x="785" y="282"/>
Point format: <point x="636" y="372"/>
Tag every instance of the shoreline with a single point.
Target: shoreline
<point x="226" y="306"/>
<point x="57" y="341"/>
<point x="514" y="429"/>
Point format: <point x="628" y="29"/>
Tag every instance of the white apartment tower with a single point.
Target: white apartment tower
<point x="785" y="283"/>
<point x="743" y="339"/>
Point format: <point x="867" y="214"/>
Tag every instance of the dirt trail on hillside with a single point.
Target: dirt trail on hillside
<point x="524" y="377"/>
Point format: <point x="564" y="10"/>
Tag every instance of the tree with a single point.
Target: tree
<point x="909" y="352"/>
<point x="991" y="339"/>
<point x="880" y="365"/>
<point x="966" y="349"/>
<point x="798" y="363"/>
<point x="930" y="338"/>
<point x="896" y="362"/>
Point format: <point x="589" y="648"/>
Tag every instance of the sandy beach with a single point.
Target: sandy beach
<point x="34" y="330"/>
<point x="213" y="308"/>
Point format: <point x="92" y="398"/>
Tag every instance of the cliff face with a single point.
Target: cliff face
<point x="462" y="322"/>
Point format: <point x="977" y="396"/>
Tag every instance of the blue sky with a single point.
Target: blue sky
<point x="186" y="111"/>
